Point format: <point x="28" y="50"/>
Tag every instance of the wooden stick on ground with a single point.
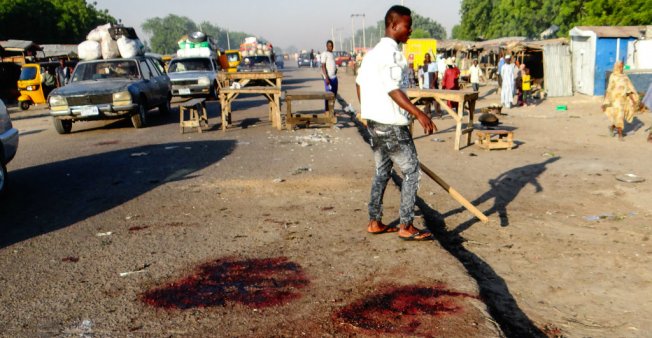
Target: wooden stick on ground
<point x="456" y="195"/>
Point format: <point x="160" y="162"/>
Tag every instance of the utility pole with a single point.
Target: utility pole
<point x="352" y="35"/>
<point x="228" y="41"/>
<point x="353" y="31"/>
<point x="364" y="40"/>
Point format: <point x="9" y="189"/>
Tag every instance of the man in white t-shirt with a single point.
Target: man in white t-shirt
<point x="329" y="70"/>
<point x="475" y="73"/>
<point x="386" y="108"/>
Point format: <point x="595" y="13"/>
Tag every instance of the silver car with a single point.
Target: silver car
<point x="194" y="76"/>
<point x="8" y="144"/>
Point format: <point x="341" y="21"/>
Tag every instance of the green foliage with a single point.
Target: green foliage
<point x="434" y="28"/>
<point x="53" y="21"/>
<point x="166" y="32"/>
<point x="489" y="19"/>
<point x="419" y="34"/>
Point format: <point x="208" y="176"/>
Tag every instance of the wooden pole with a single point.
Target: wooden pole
<point x="456" y="195"/>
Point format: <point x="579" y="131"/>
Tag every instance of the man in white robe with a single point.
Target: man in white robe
<point x="507" y="74"/>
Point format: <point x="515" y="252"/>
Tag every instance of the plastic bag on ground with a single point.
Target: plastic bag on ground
<point x="89" y="50"/>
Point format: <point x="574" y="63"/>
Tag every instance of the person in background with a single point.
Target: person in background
<point x="329" y="71"/>
<point x="62" y="73"/>
<point x="387" y="109"/>
<point x="312" y="58"/>
<point x="647" y="102"/>
<point x="621" y="101"/>
<point x="519" y="82"/>
<point x="507" y="72"/>
<point x="428" y="73"/>
<point x="526" y="86"/>
<point x="48" y="80"/>
<point x="451" y="79"/>
<point x="475" y="74"/>
<point x="411" y="78"/>
<point x="501" y="62"/>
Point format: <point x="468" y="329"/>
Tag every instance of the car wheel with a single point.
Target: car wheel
<point x="214" y="93"/>
<point x="24" y="105"/>
<point x="165" y="108"/>
<point x="3" y="178"/>
<point x="139" y="120"/>
<point x="62" y="126"/>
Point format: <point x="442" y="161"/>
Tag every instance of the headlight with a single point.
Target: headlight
<point x="58" y="103"/>
<point x="122" y="98"/>
<point x="31" y="88"/>
<point x="204" y="81"/>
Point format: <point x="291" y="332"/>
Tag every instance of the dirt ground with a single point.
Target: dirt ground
<point x="269" y="238"/>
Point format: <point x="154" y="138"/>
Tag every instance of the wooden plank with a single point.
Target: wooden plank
<point x="253" y="90"/>
<point x="456" y="195"/>
<point x="192" y="102"/>
<point x="308" y="95"/>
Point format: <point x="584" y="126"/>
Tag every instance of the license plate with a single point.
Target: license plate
<point x="184" y="91"/>
<point x="90" y="111"/>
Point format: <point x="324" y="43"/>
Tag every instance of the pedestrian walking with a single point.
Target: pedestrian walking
<point x="386" y="108"/>
<point x="329" y="70"/>
<point x="62" y="73"/>
<point x="507" y="72"/>
<point x="526" y="86"/>
<point x="475" y="73"/>
<point x="312" y="58"/>
<point x="451" y="80"/>
<point x="621" y="101"/>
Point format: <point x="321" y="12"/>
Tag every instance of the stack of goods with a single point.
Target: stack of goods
<point x="108" y="42"/>
<point x="196" y="44"/>
<point x="251" y="47"/>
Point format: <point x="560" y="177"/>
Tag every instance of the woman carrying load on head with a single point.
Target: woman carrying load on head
<point x="621" y="101"/>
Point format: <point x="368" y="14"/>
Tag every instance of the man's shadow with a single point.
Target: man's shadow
<point x="504" y="189"/>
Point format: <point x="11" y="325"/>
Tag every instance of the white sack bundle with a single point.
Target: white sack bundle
<point x="109" y="48"/>
<point x="96" y="34"/>
<point x="89" y="50"/>
<point x="129" y="47"/>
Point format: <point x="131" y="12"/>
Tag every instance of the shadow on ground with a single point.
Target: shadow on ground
<point x="55" y="195"/>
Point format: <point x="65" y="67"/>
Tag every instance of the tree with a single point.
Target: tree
<point x="487" y="19"/>
<point x="419" y="34"/>
<point x="166" y="32"/>
<point x="434" y="28"/>
<point x="53" y="21"/>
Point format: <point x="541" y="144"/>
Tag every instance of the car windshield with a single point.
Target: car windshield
<point x="305" y="56"/>
<point x="256" y="60"/>
<point x="112" y="69"/>
<point x="28" y="73"/>
<point x="188" y="65"/>
<point x="232" y="57"/>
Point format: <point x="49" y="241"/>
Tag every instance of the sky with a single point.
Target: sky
<point x="299" y="23"/>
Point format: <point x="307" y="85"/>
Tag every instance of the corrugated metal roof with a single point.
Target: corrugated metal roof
<point x="614" y="31"/>
<point x="18" y="45"/>
<point x="59" y="50"/>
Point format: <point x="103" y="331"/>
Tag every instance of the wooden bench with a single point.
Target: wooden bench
<point x="328" y="117"/>
<point x="487" y="139"/>
<point x="196" y="109"/>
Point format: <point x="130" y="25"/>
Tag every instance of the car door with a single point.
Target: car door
<point x="162" y="80"/>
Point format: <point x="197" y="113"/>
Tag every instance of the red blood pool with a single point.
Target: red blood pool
<point x="70" y="259"/>
<point x="138" y="228"/>
<point x="400" y="310"/>
<point x="253" y="282"/>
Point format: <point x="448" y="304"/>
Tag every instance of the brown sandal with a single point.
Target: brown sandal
<point x="383" y="228"/>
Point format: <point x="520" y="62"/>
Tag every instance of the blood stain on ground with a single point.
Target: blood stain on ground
<point x="401" y="310"/>
<point x="138" y="228"/>
<point x="255" y="283"/>
<point x="70" y="259"/>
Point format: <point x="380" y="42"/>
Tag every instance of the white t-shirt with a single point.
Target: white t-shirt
<point x="383" y="70"/>
<point x="475" y="73"/>
<point x="328" y="59"/>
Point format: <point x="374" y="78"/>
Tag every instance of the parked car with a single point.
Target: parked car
<point x="194" y="76"/>
<point x="304" y="60"/>
<point x="8" y="144"/>
<point x="111" y="89"/>
<point x="342" y="58"/>
<point x="280" y="62"/>
<point x="257" y="63"/>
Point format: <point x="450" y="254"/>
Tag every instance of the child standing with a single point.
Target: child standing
<point x="526" y="86"/>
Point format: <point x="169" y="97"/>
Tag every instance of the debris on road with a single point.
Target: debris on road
<point x="141" y="269"/>
<point x="103" y="234"/>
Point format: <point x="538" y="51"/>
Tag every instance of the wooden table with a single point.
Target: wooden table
<point x="328" y="117"/>
<point x="466" y="102"/>
<point x="196" y="114"/>
<point x="234" y="84"/>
